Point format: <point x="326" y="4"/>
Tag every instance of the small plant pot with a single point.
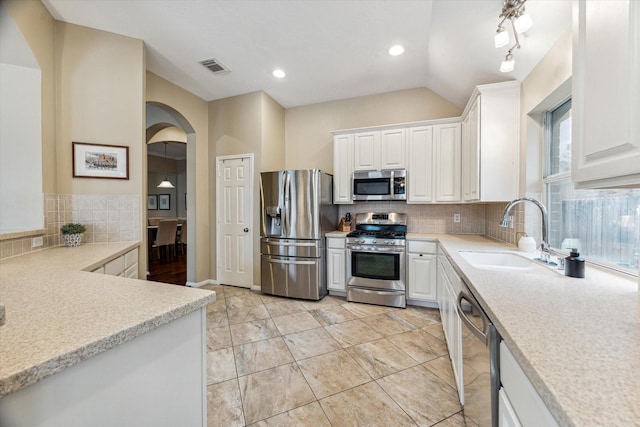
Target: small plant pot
<point x="72" y="239"/>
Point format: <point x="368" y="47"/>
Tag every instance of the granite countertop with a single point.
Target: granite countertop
<point x="58" y="315"/>
<point x="577" y="340"/>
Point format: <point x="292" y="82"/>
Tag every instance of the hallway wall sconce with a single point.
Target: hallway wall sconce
<point x="165" y="182"/>
<point x="514" y="12"/>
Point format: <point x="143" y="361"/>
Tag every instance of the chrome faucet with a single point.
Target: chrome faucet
<point x="544" y="244"/>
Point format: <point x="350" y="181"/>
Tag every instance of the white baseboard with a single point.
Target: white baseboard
<point x="204" y="282"/>
<point x="215" y="282"/>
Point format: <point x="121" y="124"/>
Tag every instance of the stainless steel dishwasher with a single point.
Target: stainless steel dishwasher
<point x="480" y="358"/>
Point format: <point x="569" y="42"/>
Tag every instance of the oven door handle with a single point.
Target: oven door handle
<point x="383" y="249"/>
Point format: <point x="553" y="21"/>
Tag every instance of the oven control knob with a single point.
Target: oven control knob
<point x="374" y="241"/>
<point x="388" y="242"/>
<point x="359" y="240"/>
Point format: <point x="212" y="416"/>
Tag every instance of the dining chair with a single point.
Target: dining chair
<point x="166" y="236"/>
<point x="181" y="239"/>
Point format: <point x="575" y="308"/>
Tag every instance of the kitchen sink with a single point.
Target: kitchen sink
<point x="500" y="261"/>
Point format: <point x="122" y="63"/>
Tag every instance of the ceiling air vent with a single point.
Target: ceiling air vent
<point x="215" y="66"/>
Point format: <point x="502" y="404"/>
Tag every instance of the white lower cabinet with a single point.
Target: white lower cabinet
<point x="448" y="287"/>
<point x="422" y="272"/>
<point x="506" y="414"/>
<point x="115" y="267"/>
<point x="521" y="401"/>
<point x="155" y="379"/>
<point x="336" y="265"/>
<point x="125" y="265"/>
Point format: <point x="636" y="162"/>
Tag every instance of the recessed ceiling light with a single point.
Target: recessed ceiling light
<point x="279" y="73"/>
<point x="396" y="50"/>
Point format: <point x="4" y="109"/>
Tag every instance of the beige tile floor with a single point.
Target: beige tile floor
<point x="282" y="362"/>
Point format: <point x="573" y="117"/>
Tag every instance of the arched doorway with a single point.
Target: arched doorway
<point x="159" y="117"/>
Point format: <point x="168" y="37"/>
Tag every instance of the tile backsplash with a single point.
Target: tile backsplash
<point x="493" y="213"/>
<point x="429" y="218"/>
<point x="108" y="218"/>
<point x="475" y="218"/>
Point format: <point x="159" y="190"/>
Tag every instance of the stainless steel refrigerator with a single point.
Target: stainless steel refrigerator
<point x="296" y="212"/>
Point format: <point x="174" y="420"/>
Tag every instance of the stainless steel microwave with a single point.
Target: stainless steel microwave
<point x="380" y="185"/>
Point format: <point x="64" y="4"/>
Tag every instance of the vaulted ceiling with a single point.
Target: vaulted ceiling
<point x="329" y="49"/>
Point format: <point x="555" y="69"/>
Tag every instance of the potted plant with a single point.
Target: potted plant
<point x="72" y="233"/>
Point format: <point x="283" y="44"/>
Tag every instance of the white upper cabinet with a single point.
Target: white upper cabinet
<point x="366" y="151"/>
<point x="380" y="150"/>
<point x="429" y="151"/>
<point x="342" y="168"/>
<point x="471" y="153"/>
<point x="490" y="143"/>
<point x="606" y="94"/>
<point x="447" y="165"/>
<point x="420" y="164"/>
<point x="392" y="149"/>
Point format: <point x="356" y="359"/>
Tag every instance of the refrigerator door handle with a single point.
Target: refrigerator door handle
<point x="287" y="204"/>
<point x="283" y="261"/>
<point x="281" y="243"/>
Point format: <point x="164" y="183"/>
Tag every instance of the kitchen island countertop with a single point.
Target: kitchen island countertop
<point x="58" y="315"/>
<point x="577" y="340"/>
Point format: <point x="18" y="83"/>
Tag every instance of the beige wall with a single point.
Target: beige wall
<point x="100" y="87"/>
<point x="552" y="71"/>
<point x="194" y="110"/>
<point x="37" y="27"/>
<point x="236" y="127"/>
<point x="273" y="155"/>
<point x="540" y="90"/>
<point x="308" y="141"/>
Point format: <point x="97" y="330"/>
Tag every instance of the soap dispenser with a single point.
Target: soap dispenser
<point x="574" y="264"/>
<point x="527" y="243"/>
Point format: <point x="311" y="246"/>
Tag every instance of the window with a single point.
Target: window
<point x="604" y="225"/>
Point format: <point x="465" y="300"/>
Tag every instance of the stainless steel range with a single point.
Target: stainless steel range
<point x="375" y="259"/>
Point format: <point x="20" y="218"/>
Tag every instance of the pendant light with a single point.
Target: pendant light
<point x="165" y="183"/>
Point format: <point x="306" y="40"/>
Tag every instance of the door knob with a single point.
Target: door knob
<point x="246" y="230"/>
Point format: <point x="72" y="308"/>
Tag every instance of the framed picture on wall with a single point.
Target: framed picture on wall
<point x="164" y="202"/>
<point x="100" y="161"/>
<point x="152" y="202"/>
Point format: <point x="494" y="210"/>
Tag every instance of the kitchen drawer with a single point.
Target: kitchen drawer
<point x="420" y="246"/>
<point x="131" y="258"/>
<point x="132" y="271"/>
<point x="336" y="243"/>
<point x="115" y="267"/>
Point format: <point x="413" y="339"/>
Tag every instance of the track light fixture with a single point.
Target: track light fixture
<point x="512" y="10"/>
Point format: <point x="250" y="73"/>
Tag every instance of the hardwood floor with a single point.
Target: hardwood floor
<point x="169" y="270"/>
